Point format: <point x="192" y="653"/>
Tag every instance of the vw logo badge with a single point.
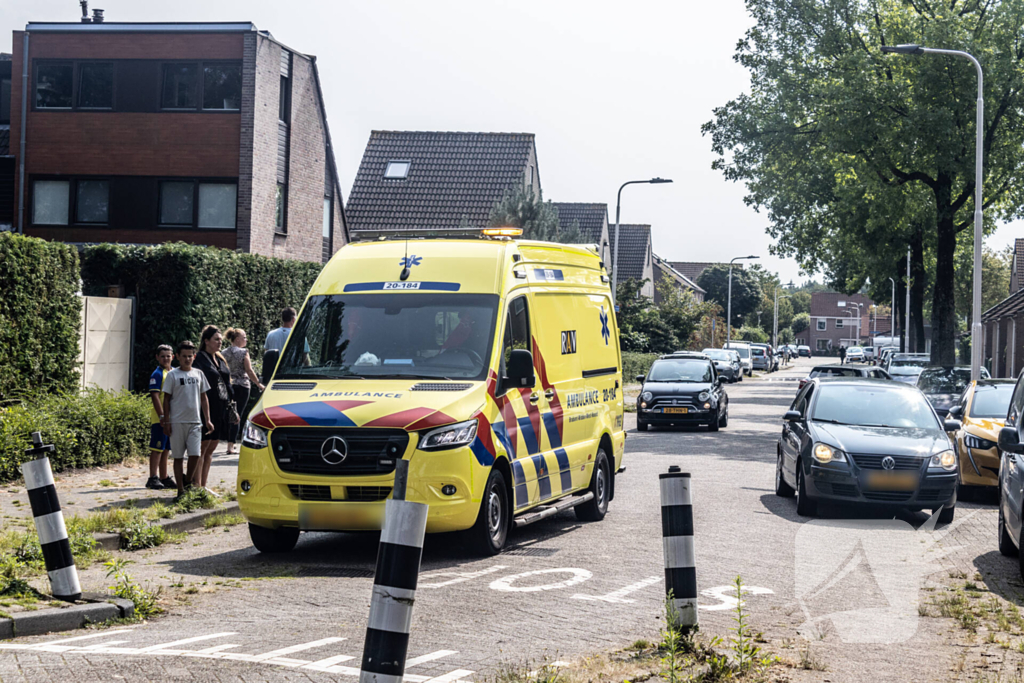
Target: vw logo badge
<point x="334" y="450"/>
<point x="888" y="463"/>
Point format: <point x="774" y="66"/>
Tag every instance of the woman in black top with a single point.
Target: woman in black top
<point x="211" y="362"/>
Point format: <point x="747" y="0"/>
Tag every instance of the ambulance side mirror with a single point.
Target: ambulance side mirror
<point x="519" y="370"/>
<point x="269" y="363"/>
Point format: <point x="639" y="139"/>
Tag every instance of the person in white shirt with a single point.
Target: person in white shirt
<point x="186" y="411"/>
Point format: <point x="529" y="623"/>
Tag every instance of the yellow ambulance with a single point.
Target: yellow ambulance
<point x="490" y="364"/>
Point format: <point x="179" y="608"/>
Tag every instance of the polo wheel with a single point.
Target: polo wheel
<point x="279" y="540"/>
<point x="488" y="535"/>
<point x="1006" y="545"/>
<point x="805" y="507"/>
<point x="945" y="514"/>
<point x="782" y="489"/>
<point x="595" y="509"/>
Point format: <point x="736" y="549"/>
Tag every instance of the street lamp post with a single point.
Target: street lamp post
<point x="728" y="306"/>
<point x="615" y="251"/>
<point x="978" y="167"/>
<point x="775" y="324"/>
<point x="850" y="311"/>
<point x="892" y="311"/>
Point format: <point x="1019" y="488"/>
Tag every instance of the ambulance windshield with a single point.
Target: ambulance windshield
<point x="392" y="336"/>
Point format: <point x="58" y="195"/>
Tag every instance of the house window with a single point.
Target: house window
<point x="279" y="210"/>
<point x="92" y="201"/>
<point x="839" y="323"/>
<point x="222" y="86"/>
<point x="822" y="324"/>
<point x="179" y="91"/>
<point x="5" y="101"/>
<point x="397" y="170"/>
<point x="217" y="202"/>
<point x="284" y="100"/>
<point x="822" y="344"/>
<point x="54" y="84"/>
<point x="176" y="202"/>
<point x="96" y="86"/>
<point x="327" y="218"/>
<point x="50" y="202"/>
<point x="841" y="304"/>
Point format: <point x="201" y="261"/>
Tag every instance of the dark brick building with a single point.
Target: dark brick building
<point x="210" y="133"/>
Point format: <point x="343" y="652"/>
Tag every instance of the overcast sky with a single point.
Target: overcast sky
<point x="613" y="92"/>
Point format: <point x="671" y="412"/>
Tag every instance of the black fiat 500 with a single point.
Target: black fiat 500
<point x="866" y="441"/>
<point x="682" y="389"/>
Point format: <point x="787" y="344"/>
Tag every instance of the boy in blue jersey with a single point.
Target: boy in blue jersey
<point x="159" y="443"/>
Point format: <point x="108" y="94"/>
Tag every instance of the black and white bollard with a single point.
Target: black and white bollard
<point x="677" y="537"/>
<point x="53" y="535"/>
<point x="394" y="585"/>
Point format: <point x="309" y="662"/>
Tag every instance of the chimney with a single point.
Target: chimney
<point x="97" y="16"/>
<point x="85" y="11"/>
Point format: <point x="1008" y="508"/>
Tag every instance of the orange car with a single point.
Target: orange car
<point x="982" y="411"/>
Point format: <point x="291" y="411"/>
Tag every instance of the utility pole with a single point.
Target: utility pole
<point x="906" y="329"/>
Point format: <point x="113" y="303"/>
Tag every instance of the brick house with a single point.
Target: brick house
<point x="636" y="255"/>
<point x="429" y="182"/>
<point x="663" y="271"/>
<point x="209" y="133"/>
<point x="593" y="223"/>
<point x="1003" y="324"/>
<point x="837" y="320"/>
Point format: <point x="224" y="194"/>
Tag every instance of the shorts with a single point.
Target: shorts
<point x="158" y="441"/>
<point x="186" y="437"/>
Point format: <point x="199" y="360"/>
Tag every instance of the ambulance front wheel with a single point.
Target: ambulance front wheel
<point x="595" y="509"/>
<point x="488" y="535"/>
<point x="279" y="540"/>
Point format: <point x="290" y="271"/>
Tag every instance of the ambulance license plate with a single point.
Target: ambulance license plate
<point x="677" y="411"/>
<point x="401" y="285"/>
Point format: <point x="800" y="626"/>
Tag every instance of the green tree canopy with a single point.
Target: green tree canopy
<point x="521" y="208"/>
<point x="746" y="290"/>
<point x="854" y="155"/>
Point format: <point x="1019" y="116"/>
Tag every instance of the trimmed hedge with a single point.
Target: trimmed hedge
<point x="88" y="429"/>
<point x="40" y="313"/>
<point x="181" y="288"/>
<point x="634" y="364"/>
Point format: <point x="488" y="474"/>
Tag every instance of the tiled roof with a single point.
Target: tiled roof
<point x="667" y="268"/>
<point x="693" y="269"/>
<point x="453" y="177"/>
<point x="827" y="303"/>
<point x="633" y="252"/>
<point x="1011" y="306"/>
<point x="5" y="141"/>
<point x="592" y="218"/>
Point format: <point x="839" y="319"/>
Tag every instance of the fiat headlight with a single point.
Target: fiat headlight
<point x="824" y="453"/>
<point x="253" y="436"/>
<point x="704" y="395"/>
<point x="945" y="460"/>
<point x="452" y="436"/>
<point x="647" y="396"/>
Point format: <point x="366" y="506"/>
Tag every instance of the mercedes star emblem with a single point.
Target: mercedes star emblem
<point x="887" y="462"/>
<point x="334" y="450"/>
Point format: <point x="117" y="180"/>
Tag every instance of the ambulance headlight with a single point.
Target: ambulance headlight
<point x="253" y="436"/>
<point x="452" y="436"/>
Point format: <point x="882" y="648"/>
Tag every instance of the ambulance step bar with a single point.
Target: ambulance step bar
<point x="546" y="511"/>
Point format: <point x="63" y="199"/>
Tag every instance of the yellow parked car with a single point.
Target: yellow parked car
<point x="981" y="410"/>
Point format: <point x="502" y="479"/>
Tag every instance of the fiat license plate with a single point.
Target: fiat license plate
<point x="677" y="411"/>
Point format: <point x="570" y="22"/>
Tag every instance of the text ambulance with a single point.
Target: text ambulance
<point x="491" y="365"/>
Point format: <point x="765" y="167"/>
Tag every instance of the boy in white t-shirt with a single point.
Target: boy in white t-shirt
<point x="186" y="410"/>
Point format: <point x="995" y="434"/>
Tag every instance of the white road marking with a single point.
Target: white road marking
<point x="326" y="664"/>
<point x="103" y="645"/>
<point x="619" y="595"/>
<point x="429" y="658"/>
<point x="460" y="577"/>
<point x="212" y="650"/>
<point x="295" y="648"/>
<point x="58" y="645"/>
<point x="730" y="601"/>
<point x="449" y="677"/>
<point x="183" y="641"/>
<point x="505" y="584"/>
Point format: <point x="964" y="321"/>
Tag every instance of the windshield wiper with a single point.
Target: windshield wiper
<point x="834" y="422"/>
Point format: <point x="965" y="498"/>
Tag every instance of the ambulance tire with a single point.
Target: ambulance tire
<point x="279" y="540"/>
<point x="488" y="535"/>
<point x="595" y="509"/>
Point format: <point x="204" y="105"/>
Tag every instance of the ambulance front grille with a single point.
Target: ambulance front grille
<point x="305" y="492"/>
<point x="367" y="493"/>
<point x="368" y="451"/>
<point x="293" y="386"/>
<point x="440" y="386"/>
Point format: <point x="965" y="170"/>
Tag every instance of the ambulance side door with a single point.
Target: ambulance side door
<point x="601" y="365"/>
<point x="515" y="429"/>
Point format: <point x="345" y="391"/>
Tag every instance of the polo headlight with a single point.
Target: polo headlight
<point x="824" y="453"/>
<point x="452" y="436"/>
<point x="945" y="460"/>
<point x="253" y="436"/>
<point x="646" y="396"/>
<point x="704" y="395"/>
<point x="972" y="441"/>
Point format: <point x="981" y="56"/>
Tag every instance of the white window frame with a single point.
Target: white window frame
<point x="821" y="324"/>
<point x="839" y="323"/>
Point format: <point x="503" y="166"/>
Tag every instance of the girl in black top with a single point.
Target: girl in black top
<point x="211" y="362"/>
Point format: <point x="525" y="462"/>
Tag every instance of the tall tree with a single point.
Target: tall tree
<point x="520" y="207"/>
<point x="746" y="290"/>
<point x="851" y="152"/>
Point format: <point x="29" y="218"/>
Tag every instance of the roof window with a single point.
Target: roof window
<point x="397" y="170"/>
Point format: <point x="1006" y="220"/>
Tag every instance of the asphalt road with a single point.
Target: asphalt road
<point x="565" y="589"/>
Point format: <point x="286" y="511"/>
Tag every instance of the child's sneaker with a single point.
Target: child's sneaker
<point x="154" y="483"/>
<point x="169" y="483"/>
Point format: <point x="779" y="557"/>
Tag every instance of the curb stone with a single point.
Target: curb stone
<point x="53" y="619"/>
<point x="187" y="522"/>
